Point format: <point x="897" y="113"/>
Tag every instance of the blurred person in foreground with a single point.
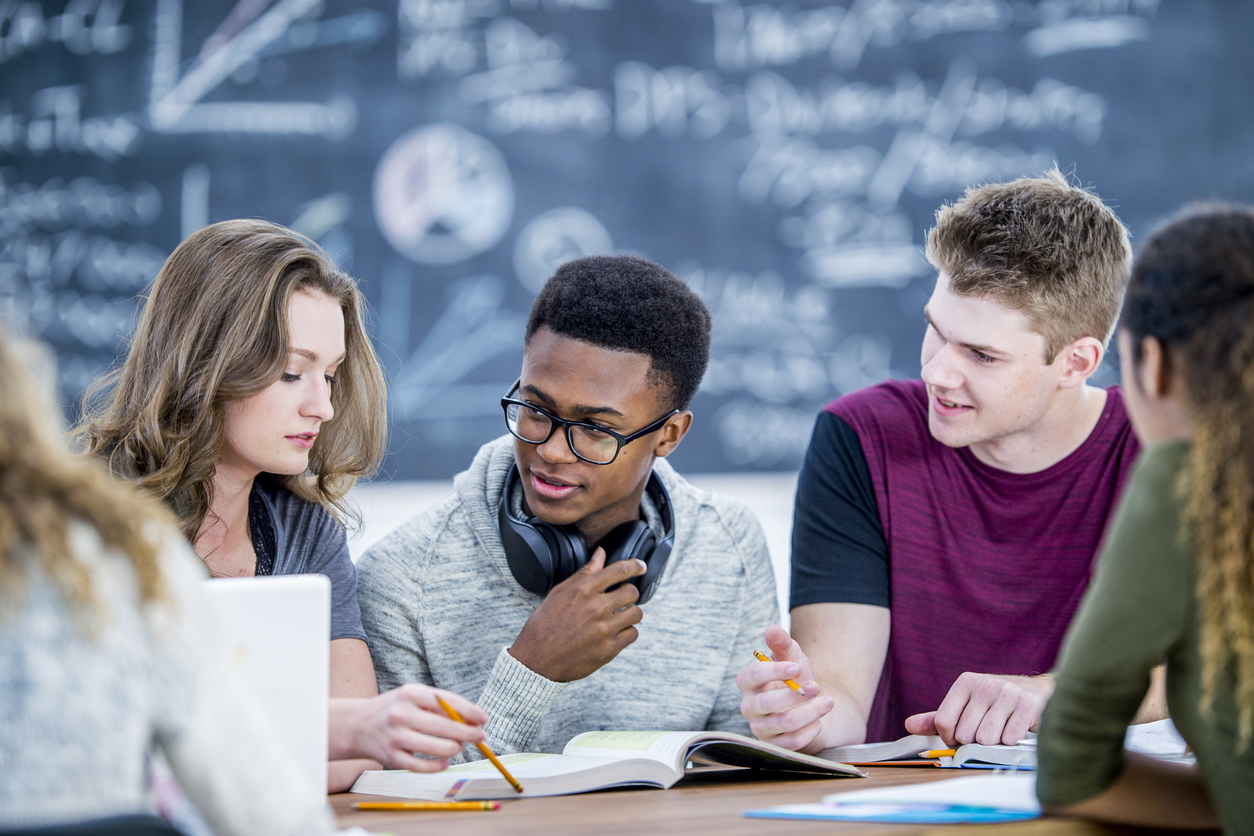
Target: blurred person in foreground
<point x="250" y="402"/>
<point x="107" y="650"/>
<point x="1176" y="578"/>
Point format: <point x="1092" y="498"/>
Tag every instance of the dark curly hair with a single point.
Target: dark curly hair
<point x="626" y="303"/>
<point x="1192" y="289"/>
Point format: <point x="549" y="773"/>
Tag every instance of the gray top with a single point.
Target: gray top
<point x="308" y="541"/>
<point x="441" y="607"/>
<point x="81" y="708"/>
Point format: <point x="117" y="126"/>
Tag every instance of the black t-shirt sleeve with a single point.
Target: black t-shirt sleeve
<point x="839" y="554"/>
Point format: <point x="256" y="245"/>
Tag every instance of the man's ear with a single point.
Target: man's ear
<point x="1080" y="360"/>
<point x="672" y="432"/>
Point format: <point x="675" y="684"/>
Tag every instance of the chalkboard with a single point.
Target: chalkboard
<point x="784" y="159"/>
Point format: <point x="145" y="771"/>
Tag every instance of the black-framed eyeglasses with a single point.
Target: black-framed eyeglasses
<point x="595" y="445"/>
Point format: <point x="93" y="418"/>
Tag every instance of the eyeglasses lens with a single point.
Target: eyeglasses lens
<point x="536" y="427"/>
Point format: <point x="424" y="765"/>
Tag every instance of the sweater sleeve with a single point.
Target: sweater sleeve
<point x="516" y="699"/>
<point x="226" y="757"/>
<point x="1130" y="620"/>
<point x="389" y="598"/>
<point x="759" y="608"/>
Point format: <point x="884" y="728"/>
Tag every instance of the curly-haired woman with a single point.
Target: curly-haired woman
<point x="1176" y="579"/>
<point x="250" y="402"/>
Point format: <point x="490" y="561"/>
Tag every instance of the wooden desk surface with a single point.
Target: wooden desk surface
<point x="709" y="803"/>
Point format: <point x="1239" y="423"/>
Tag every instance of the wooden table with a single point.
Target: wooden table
<point x="709" y="803"/>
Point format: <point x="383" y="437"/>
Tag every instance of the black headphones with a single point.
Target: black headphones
<point x="542" y="555"/>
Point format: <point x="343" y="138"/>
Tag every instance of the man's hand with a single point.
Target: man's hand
<point x="986" y="708"/>
<point x="391" y="727"/>
<point x="583" y="622"/>
<point x="776" y="713"/>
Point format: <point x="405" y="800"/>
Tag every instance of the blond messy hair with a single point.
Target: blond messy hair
<point x="44" y="490"/>
<point x="1038" y="245"/>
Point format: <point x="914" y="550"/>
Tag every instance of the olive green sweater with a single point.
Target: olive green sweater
<point x="1141" y="610"/>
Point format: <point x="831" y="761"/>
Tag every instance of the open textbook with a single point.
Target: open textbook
<point x="1158" y="740"/>
<point x="596" y="760"/>
<point x="1021" y="755"/>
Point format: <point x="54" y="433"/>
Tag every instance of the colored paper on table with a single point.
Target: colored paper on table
<point x="977" y="799"/>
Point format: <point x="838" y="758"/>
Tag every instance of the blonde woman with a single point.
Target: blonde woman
<point x="1176" y="578"/>
<point x="250" y="402"/>
<point x="106" y="649"/>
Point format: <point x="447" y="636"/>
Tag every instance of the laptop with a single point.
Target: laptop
<point x="278" y="631"/>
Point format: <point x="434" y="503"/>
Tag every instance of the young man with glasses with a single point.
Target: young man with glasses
<point x="574" y="581"/>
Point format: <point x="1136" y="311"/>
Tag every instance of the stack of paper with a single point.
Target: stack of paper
<point x="982" y="798"/>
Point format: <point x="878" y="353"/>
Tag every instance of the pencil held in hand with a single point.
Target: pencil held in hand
<point x="487" y="753"/>
<point x="788" y="682"/>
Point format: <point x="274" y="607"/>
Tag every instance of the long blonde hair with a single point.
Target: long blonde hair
<point x="214" y="329"/>
<point x="1192" y="288"/>
<point x="44" y="489"/>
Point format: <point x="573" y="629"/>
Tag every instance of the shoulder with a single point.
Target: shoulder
<point x="291" y="512"/>
<point x="408" y="547"/>
<point x="703" y="513"/>
<point x="1152" y="491"/>
<point x="892" y="398"/>
<point x="893" y="407"/>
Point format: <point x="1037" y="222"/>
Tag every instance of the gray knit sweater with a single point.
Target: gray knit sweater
<point x="440" y="607"/>
<point x="81" y="707"/>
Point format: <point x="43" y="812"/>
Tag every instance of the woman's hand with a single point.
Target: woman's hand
<point x="392" y="727"/>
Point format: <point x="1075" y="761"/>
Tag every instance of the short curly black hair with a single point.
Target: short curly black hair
<point x="627" y="303"/>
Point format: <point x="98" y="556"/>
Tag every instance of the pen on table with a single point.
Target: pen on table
<point x="788" y="682"/>
<point x="429" y="805"/>
<point x="487" y="753"/>
<point x="938" y="753"/>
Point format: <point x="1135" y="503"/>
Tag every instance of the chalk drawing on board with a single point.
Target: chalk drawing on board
<point x="175" y="104"/>
<point x="474" y="329"/>
<point x="554" y="238"/>
<point x="442" y="194"/>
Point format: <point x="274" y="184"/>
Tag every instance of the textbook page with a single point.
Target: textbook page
<point x="1159" y="740"/>
<point x="540" y="774"/>
<point x="675" y="748"/>
<point x="669" y="748"/>
<point x="906" y="747"/>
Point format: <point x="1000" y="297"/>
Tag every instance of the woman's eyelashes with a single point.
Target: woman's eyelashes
<point x="292" y="377"/>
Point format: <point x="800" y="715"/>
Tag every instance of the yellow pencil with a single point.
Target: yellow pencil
<point x="429" y="805"/>
<point x="487" y="753"/>
<point x="788" y="682"/>
<point x="938" y="753"/>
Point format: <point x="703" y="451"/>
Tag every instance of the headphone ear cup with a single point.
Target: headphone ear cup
<point x="632" y="539"/>
<point x="656" y="564"/>
<point x="571" y="551"/>
<point x="528" y="549"/>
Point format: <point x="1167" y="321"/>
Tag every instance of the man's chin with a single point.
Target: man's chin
<point x="947" y="434"/>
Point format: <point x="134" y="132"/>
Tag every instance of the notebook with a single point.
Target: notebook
<point x="279" y="633"/>
<point x="982" y="798"/>
<point x="596" y="760"/>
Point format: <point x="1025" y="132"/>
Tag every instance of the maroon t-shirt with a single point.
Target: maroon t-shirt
<point x="985" y="568"/>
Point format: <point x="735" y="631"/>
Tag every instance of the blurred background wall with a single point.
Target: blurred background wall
<point x="785" y="159"/>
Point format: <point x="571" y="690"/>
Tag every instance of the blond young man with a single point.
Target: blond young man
<point x="945" y="528"/>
